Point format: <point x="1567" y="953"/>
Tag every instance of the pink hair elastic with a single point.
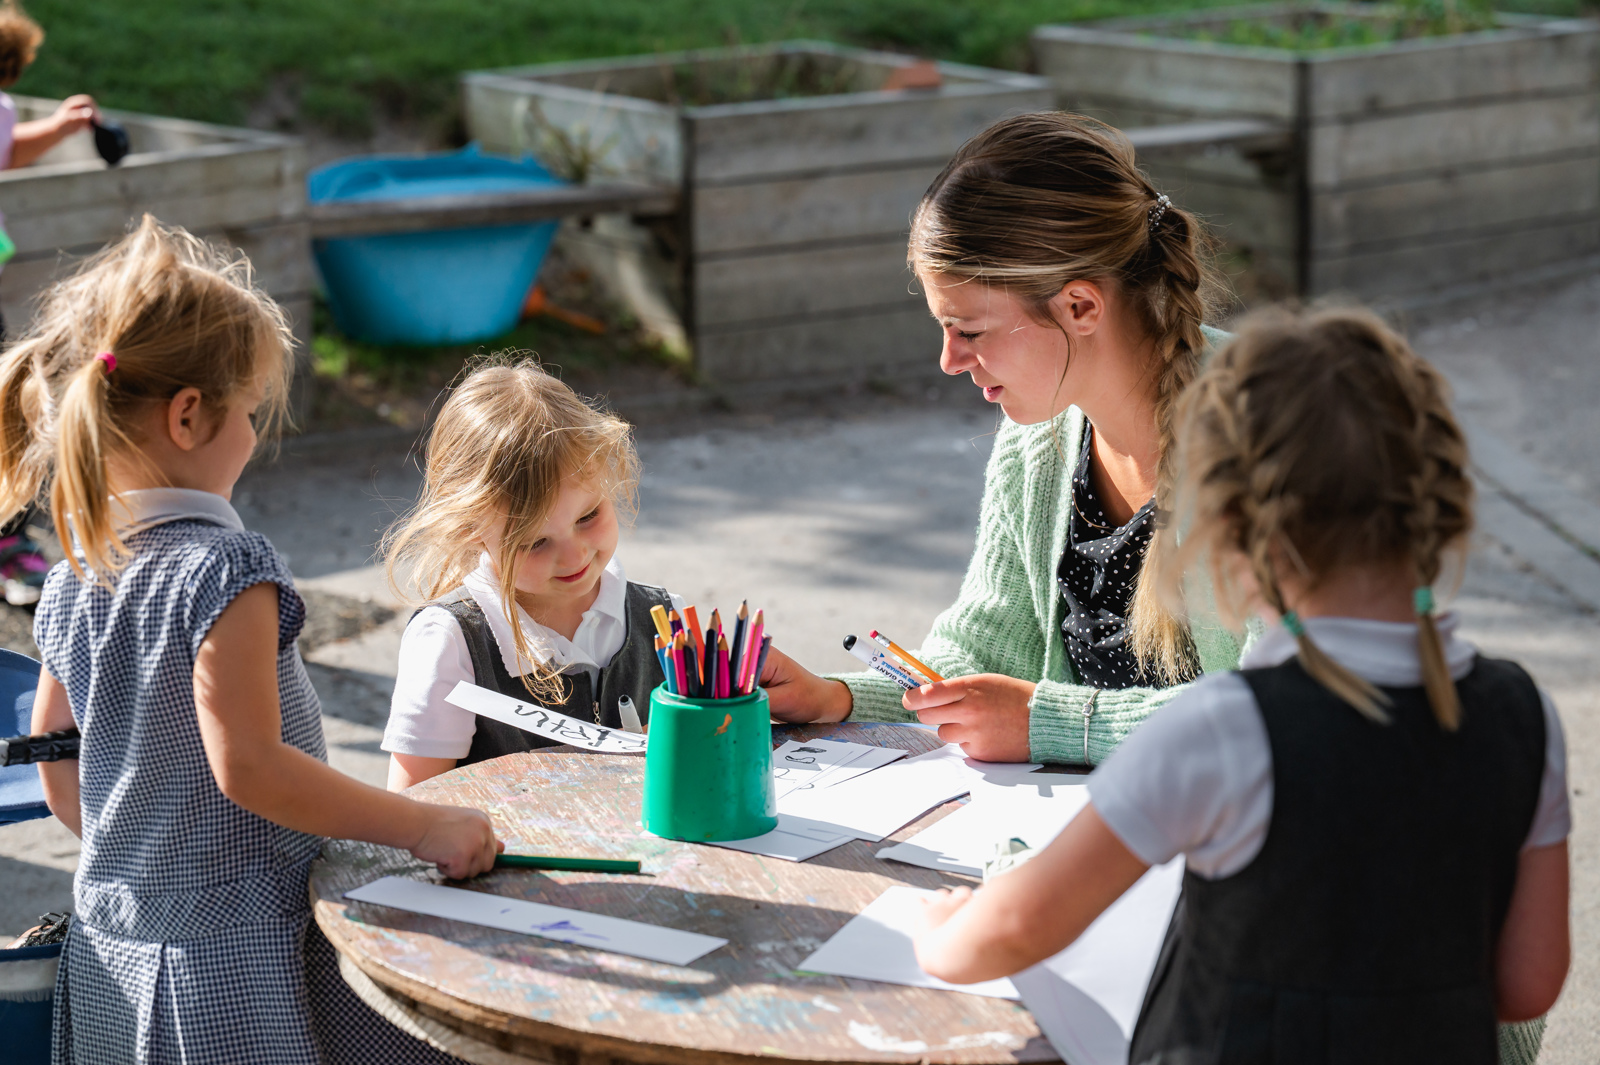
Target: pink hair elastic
<point x="109" y="359"/>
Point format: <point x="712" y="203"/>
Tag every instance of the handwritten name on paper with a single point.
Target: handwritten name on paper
<point x="616" y="934"/>
<point x="543" y="721"/>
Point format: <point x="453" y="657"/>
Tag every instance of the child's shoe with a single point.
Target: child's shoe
<point x="23" y="568"/>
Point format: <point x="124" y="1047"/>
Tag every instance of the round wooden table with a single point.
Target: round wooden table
<point x="496" y="998"/>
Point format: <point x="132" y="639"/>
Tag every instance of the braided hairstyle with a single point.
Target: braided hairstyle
<point x="1317" y="442"/>
<point x="1039" y="200"/>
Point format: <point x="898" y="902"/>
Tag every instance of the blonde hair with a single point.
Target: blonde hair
<point x="1040" y="200"/>
<point x="1321" y="441"/>
<point x="174" y="313"/>
<point x="504" y="442"/>
<point x="20" y="38"/>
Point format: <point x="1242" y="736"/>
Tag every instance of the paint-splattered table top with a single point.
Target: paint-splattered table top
<point x="493" y="997"/>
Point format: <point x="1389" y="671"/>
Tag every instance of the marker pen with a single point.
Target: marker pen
<point x="879" y="662"/>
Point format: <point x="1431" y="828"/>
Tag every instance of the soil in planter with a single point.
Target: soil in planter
<point x="1314" y="31"/>
<point x="740" y="79"/>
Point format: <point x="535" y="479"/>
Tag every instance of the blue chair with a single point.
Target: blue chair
<point x="27" y="990"/>
<point x="21" y="793"/>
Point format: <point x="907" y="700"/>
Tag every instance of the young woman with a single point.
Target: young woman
<point x="1073" y="293"/>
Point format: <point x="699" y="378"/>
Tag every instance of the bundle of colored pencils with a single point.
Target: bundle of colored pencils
<point x="708" y="665"/>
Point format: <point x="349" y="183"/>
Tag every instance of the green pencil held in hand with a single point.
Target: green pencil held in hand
<point x="582" y="865"/>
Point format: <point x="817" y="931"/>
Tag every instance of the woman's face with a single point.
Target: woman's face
<point x="988" y="333"/>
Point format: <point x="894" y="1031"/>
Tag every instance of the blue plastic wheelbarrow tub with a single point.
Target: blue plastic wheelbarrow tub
<point x="449" y="286"/>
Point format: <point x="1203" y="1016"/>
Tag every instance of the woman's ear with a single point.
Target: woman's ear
<point x="185" y="415"/>
<point x="1080" y="307"/>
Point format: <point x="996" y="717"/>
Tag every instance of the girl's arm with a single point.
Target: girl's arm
<point x="1535" y="945"/>
<point x="1030" y="913"/>
<point x="29" y="140"/>
<point x="408" y="769"/>
<point x="52" y="713"/>
<point x="236" y="695"/>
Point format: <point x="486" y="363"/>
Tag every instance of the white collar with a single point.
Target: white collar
<point x="1383" y="652"/>
<point x="598" y="626"/>
<point x="144" y="507"/>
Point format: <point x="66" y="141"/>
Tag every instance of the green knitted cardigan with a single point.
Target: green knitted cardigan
<point x="1007" y="617"/>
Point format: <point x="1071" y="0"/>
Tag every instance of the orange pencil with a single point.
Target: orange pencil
<point x="906" y="655"/>
<point x="692" y="617"/>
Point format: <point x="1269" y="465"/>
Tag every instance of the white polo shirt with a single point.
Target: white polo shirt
<point x="1196" y="778"/>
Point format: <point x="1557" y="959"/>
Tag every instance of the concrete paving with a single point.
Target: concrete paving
<point x="860" y="515"/>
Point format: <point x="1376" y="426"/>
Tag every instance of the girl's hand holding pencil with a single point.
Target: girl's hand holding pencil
<point x="986" y="713"/>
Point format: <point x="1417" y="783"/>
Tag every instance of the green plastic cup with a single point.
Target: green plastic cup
<point x="708" y="769"/>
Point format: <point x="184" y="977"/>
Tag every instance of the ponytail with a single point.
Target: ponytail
<point x="80" y="496"/>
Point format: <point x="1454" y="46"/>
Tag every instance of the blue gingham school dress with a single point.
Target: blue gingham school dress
<point x="190" y="940"/>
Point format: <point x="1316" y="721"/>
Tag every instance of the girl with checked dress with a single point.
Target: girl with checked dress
<point x="168" y="635"/>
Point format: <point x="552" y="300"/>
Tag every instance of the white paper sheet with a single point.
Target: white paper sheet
<point x="881" y="802"/>
<point x="1033" y="808"/>
<point x="794" y="840"/>
<point x="595" y="930"/>
<point x="876" y="945"/>
<point x="1087" y="998"/>
<point x="799" y="765"/>
<point x="542" y="721"/>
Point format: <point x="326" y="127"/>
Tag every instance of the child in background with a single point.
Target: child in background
<point x="1374" y="816"/>
<point x="201" y="791"/>
<point x="22" y="567"/>
<point x="512" y="546"/>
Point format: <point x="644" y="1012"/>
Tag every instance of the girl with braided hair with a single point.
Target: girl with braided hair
<point x="1373" y="815"/>
<point x="1074" y="294"/>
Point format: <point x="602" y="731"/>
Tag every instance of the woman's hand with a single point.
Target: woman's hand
<point x="458" y="839"/>
<point x="987" y="714"/>
<point x="799" y="696"/>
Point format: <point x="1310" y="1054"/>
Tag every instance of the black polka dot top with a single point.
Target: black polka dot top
<point x="1097" y="574"/>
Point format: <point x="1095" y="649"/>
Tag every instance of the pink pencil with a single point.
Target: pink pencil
<point x="678" y="643"/>
<point x="752" y="651"/>
<point x="724" y="673"/>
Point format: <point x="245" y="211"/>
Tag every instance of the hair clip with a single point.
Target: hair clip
<point x="1159" y="209"/>
<point x="1292" y="622"/>
<point x="1422" y="600"/>
<point x="109" y="359"/>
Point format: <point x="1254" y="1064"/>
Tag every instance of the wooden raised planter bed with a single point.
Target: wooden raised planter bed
<point x="1410" y="167"/>
<point x="795" y="197"/>
<point x="243" y="187"/>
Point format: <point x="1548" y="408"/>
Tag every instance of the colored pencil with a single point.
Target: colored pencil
<point x="666" y="665"/>
<point x="736" y="647"/>
<point x="907" y="656"/>
<point x="675" y="621"/>
<point x="658" y="614"/>
<point x="761" y="662"/>
<point x="692" y="617"/>
<point x="752" y="651"/>
<point x="723" y="677"/>
<point x="679" y="643"/>
<point x="550" y="861"/>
